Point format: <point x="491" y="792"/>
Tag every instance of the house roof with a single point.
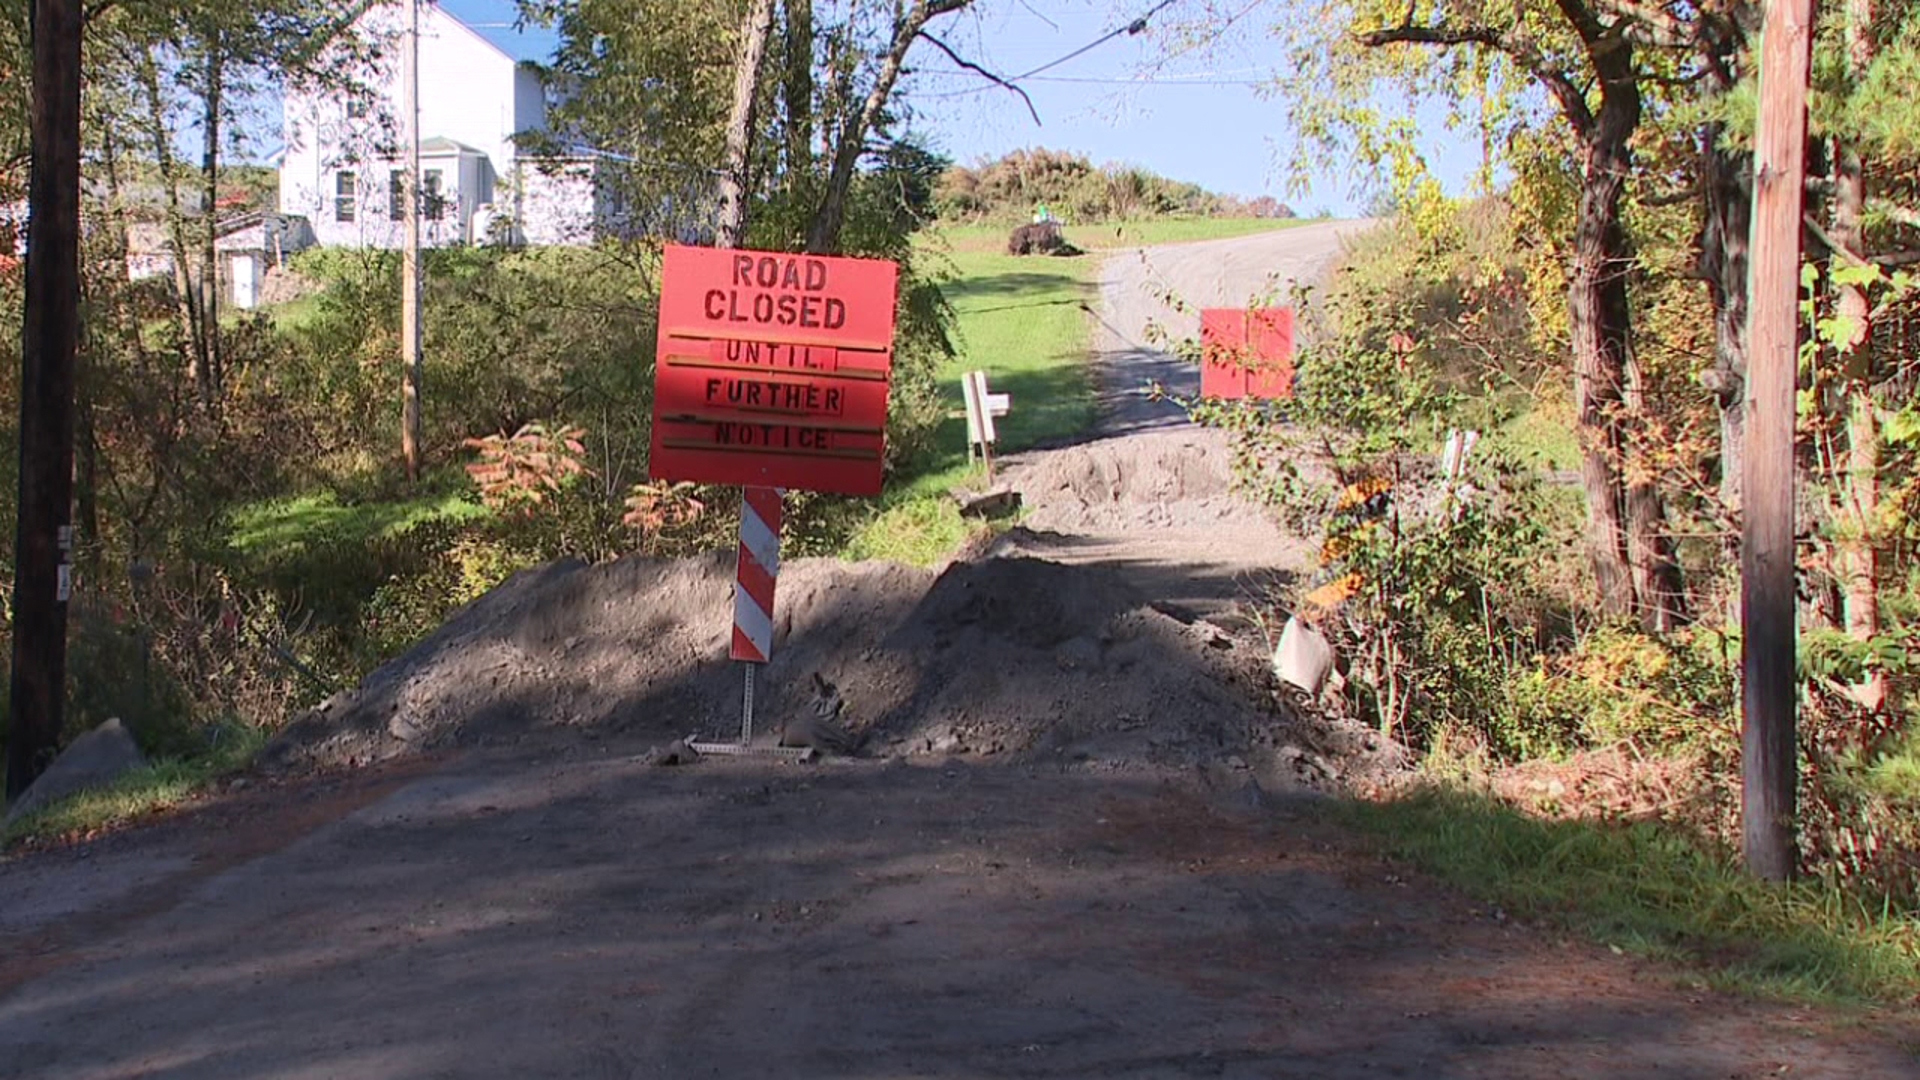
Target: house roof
<point x="472" y="32"/>
<point x="359" y="9"/>
<point x="440" y="144"/>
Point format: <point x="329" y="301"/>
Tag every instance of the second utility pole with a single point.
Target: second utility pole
<point x="1768" y="744"/>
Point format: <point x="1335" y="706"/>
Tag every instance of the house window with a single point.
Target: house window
<point x="343" y="192"/>
<point x="397" y="195"/>
<point x="358" y="107"/>
<point x="436" y="200"/>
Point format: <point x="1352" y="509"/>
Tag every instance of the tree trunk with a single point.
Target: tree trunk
<point x="823" y="234"/>
<point x="209" y="252"/>
<point x="185" y="307"/>
<point x="1658" y="589"/>
<point x="746" y="86"/>
<point x="1597" y="315"/>
<point x="48" y="343"/>
<point x="1858" y="555"/>
<point x="1626" y="533"/>
<point x="1723" y="262"/>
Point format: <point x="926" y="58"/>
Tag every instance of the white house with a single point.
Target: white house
<point x="342" y="168"/>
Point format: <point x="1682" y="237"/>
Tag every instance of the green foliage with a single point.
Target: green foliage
<point x="649" y="80"/>
<point x="410" y="606"/>
<point x="509" y="338"/>
<point x="1619" y="684"/>
<point x="1450" y="613"/>
<point x="112" y="672"/>
<point x="1892" y="773"/>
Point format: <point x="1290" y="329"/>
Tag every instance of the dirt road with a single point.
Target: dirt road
<point x="1167" y="286"/>
<point x="1152" y="492"/>
<point x="581" y="915"/>
<point x="555" y="907"/>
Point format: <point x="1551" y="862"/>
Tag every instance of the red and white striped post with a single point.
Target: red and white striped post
<point x="758" y="569"/>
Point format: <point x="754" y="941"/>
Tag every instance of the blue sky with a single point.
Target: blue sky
<point x="1195" y="118"/>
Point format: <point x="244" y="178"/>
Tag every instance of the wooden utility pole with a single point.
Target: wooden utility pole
<point x="1768" y="766"/>
<point x="50" y="342"/>
<point x="410" y="351"/>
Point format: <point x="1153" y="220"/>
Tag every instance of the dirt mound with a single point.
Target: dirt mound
<point x="1159" y="480"/>
<point x="1027" y="656"/>
<point x="632" y="645"/>
<point x="1024" y="658"/>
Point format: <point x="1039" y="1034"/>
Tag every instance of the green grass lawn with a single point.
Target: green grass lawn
<point x="1023" y="321"/>
<point x="1650" y="890"/>
<point x="281" y="525"/>
<point x="294" y="314"/>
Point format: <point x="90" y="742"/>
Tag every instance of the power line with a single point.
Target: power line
<point x="1136" y="26"/>
<point x="1249" y="82"/>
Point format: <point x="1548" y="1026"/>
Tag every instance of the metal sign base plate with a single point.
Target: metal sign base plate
<point x="784" y="753"/>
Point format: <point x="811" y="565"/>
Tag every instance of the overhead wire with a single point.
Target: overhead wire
<point x="1251" y="81"/>
<point x="1135" y="27"/>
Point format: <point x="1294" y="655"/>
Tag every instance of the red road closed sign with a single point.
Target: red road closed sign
<point x="1246" y="353"/>
<point x="772" y="370"/>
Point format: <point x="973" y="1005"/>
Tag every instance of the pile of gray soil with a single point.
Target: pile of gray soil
<point x="1151" y="481"/>
<point x="1022" y="658"/>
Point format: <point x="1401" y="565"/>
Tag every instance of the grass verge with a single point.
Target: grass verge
<point x="1023" y="322"/>
<point x="278" y="525"/>
<point x="159" y="786"/>
<point x="1650" y="890"/>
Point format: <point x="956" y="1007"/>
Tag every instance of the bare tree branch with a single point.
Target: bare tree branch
<point x="1572" y="102"/>
<point x="983" y="73"/>
<point x="823" y="233"/>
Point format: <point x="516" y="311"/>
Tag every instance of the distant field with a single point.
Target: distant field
<point x="1112" y="235"/>
<point x="1023" y="321"/>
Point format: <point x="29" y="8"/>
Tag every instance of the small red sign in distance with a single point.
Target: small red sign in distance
<point x="772" y="370"/>
<point x="1234" y="367"/>
<point x="1223" y="334"/>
